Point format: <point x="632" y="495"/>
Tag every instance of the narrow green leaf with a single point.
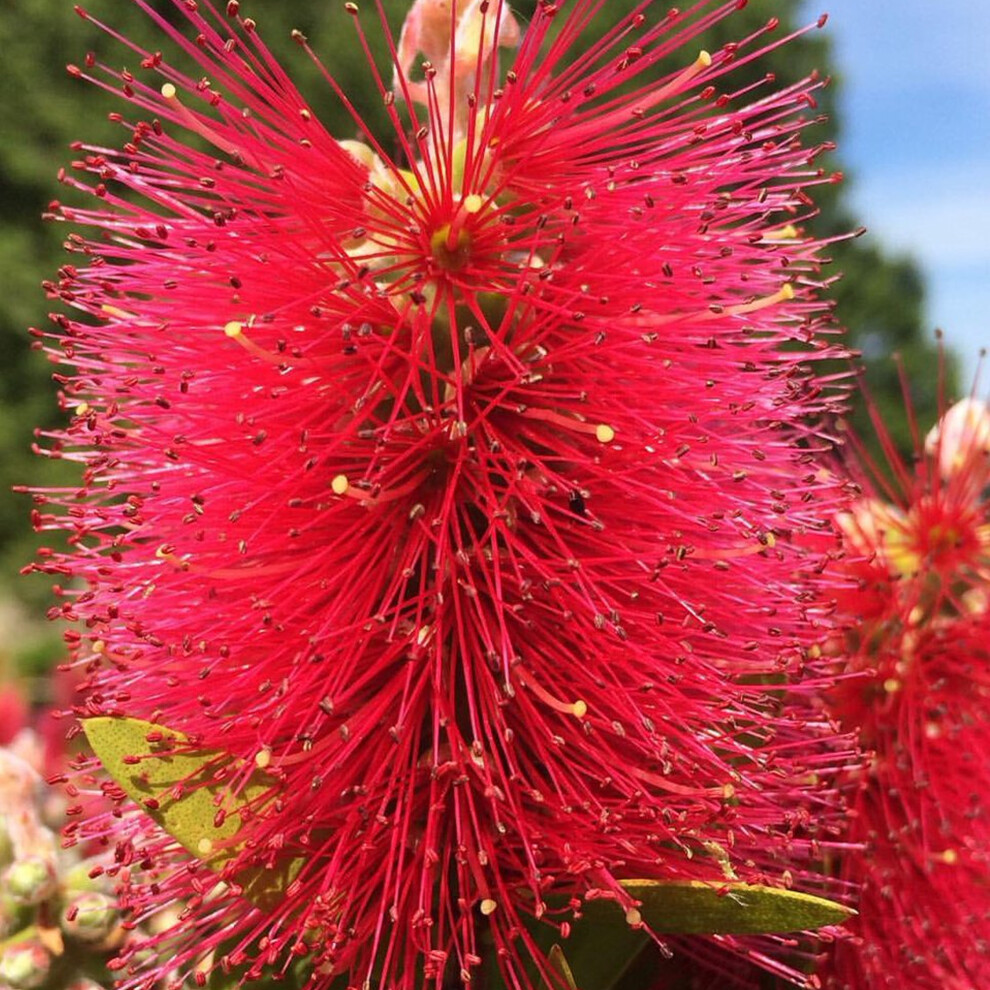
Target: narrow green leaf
<point x="604" y="946"/>
<point x="690" y="907"/>
<point x="598" y="955"/>
<point x="559" y="962"/>
<point x="181" y="793"/>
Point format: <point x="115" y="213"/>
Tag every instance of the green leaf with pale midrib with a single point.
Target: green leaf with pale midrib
<point x="186" y="796"/>
<point x="693" y="907"/>
<point x="603" y="945"/>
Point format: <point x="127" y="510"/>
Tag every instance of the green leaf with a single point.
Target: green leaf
<point x="559" y="962"/>
<point x="691" y="907"/>
<point x="599" y="954"/>
<point x="181" y="792"/>
<point x="603" y="946"/>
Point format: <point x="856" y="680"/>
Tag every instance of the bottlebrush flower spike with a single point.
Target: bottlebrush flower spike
<point x="461" y="491"/>
<point x="921" y="813"/>
<point x="918" y="635"/>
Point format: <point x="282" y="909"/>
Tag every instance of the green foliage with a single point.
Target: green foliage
<point x="559" y="962"/>
<point x="183" y="788"/>
<point x="605" y="952"/>
<point x="691" y="907"/>
<point x="199" y="797"/>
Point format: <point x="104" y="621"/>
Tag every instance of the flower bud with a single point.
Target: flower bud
<point x="13" y="915"/>
<point x="89" y="917"/>
<point x="6" y="842"/>
<point x="976" y="601"/>
<point x="79" y="877"/>
<point x="24" y="965"/>
<point x="30" y="880"/>
<point x="477" y="37"/>
<point x="873" y="529"/>
<point x="961" y="441"/>
<point x="362" y="153"/>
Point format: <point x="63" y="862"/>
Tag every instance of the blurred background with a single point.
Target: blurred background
<point x="914" y="120"/>
<point x="909" y="108"/>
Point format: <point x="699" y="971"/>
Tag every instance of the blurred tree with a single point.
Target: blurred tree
<point x="879" y="297"/>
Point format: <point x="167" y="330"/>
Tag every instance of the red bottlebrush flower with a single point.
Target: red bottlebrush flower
<point x="921" y="702"/>
<point x="460" y="490"/>
<point x="921" y="813"/>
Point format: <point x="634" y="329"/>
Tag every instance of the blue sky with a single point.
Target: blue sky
<point x="915" y="104"/>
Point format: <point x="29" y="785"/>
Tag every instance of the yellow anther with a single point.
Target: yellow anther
<point x="677" y="85"/>
<point x="576" y="708"/>
<point x="784" y="294"/>
<point x="634" y="918"/>
<point x="263" y="758"/>
<point x="167" y="553"/>
<point x="787" y="233"/>
<point x="950" y="857"/>
<point x="82" y="409"/>
<point x="488" y="906"/>
<point x="234" y="330"/>
<point x="201" y="126"/>
<point x="116" y="311"/>
<point x="604" y="433"/>
<point x="473" y="203"/>
<point x="891" y="685"/>
<point x="99" y="646"/>
<point x="340" y="484"/>
<point x="205" y="846"/>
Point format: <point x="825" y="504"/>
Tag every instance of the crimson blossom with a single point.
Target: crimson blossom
<point x="455" y="478"/>
<point x="918" y="639"/>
